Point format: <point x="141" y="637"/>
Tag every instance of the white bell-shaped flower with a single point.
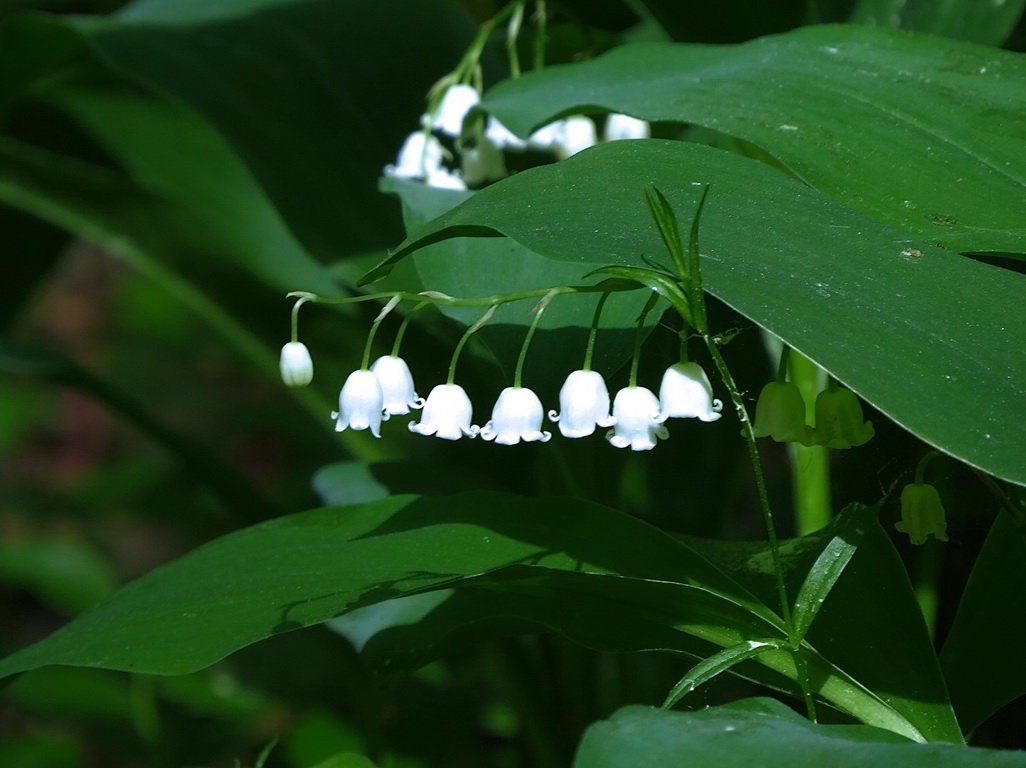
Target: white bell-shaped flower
<point x="360" y="404"/>
<point x="502" y="137"/>
<point x="396" y="382"/>
<point x="447" y="414"/>
<point x="583" y="404"/>
<point x="442" y="178"/>
<point x="565" y="137"/>
<point x="639" y="423"/>
<point x="420" y="156"/>
<point x="458" y="100"/>
<point x="626" y="127"/>
<point x="686" y="393"/>
<point x="517" y="416"/>
<point x="295" y="364"/>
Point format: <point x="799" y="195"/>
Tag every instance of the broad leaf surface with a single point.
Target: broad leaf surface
<point x="924" y="134"/>
<point x="533" y="557"/>
<point x="984" y="656"/>
<point x="765" y="733"/>
<point x="912" y="328"/>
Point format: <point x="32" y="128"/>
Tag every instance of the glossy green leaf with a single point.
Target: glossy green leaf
<point x="761" y="732"/>
<point x="984" y="656"/>
<point x="846" y="535"/>
<point x="529" y="557"/>
<point x="910" y="327"/>
<point x="972" y="20"/>
<point x="307" y="568"/>
<point x="924" y="134"/>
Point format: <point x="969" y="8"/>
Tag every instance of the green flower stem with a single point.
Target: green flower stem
<point x="926" y="580"/>
<point x="639" y="337"/>
<point x="922" y="465"/>
<point x="365" y="363"/>
<point x="541" y="17"/>
<point x="589" y="350"/>
<point x="451" y="378"/>
<point x="810" y="465"/>
<point x="538" y="311"/>
<point x="406" y="324"/>
<point x="440" y="299"/>
<point x="767" y="515"/>
<point x="295" y="317"/>
<point x="512" y="33"/>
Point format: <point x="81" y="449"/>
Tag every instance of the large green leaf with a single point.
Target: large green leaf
<point x="971" y="20"/>
<point x="533" y="557"/>
<point x="761" y="732"/>
<point x="925" y="134"/>
<point x="912" y="328"/>
<point x="984" y="656"/>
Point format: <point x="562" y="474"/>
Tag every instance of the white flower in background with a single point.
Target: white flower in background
<point x="396" y="383"/>
<point x="583" y="404"/>
<point x="517" y="416"/>
<point x="420" y="156"/>
<point x="360" y="404"/>
<point x="639" y="423"/>
<point x="458" y="100"/>
<point x="447" y="414"/>
<point x="626" y="127"/>
<point x="565" y="137"/>
<point x="482" y="162"/>
<point x="295" y="364"/>
<point x="445" y="179"/>
<point x="686" y="393"/>
<point x="502" y="137"/>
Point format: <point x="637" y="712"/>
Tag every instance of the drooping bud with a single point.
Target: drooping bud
<point x="839" y="420"/>
<point x="780" y="414"/>
<point x="922" y="513"/>
<point x="295" y="364"/>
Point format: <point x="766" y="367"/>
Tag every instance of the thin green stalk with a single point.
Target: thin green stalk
<point x="639" y="337"/>
<point x="538" y="311"/>
<point x="540" y="33"/>
<point x="406" y="324"/>
<point x="451" y="378"/>
<point x="512" y="33"/>
<point x="589" y="350"/>
<point x="926" y="581"/>
<point x="923" y="464"/>
<point x="365" y="363"/>
<point x="810" y="464"/>
<point x="295" y="317"/>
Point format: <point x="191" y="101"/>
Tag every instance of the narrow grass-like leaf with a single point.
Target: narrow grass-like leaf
<point x="706" y="670"/>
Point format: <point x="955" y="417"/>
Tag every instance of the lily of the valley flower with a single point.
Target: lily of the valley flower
<point x="419" y="156"/>
<point x="922" y="513"/>
<point x="393" y="374"/>
<point x="359" y="404"/>
<point x="447" y="414"/>
<point x="639" y="422"/>
<point x="295" y="364"/>
<point x="583" y="404"/>
<point x="458" y="100"/>
<point x="517" y="416"/>
<point x="502" y="137"/>
<point x="780" y="414"/>
<point x="565" y="137"/>
<point x="625" y="127"/>
<point x="839" y="422"/>
<point x="685" y="393"/>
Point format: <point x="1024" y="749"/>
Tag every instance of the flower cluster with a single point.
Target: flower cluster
<point x="637" y="417"/>
<point x="480" y="142"/>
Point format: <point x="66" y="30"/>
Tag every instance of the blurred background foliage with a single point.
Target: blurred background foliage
<point x="141" y="414"/>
